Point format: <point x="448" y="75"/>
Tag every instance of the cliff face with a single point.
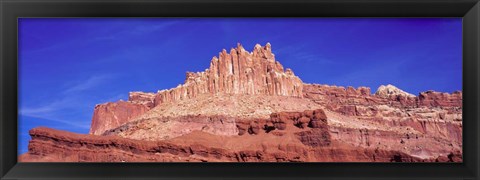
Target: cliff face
<point x="439" y="99"/>
<point x="110" y="115"/>
<point x="238" y="72"/>
<point x="163" y="128"/>
<point x="333" y="97"/>
<point x="142" y="98"/>
<point x="423" y="126"/>
<point x="264" y="143"/>
<point x="246" y="108"/>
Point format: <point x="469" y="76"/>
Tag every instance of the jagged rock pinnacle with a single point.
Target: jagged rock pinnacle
<point x="238" y="73"/>
<point x="391" y="90"/>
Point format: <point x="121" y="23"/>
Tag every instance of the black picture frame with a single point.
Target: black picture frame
<point x="10" y="10"/>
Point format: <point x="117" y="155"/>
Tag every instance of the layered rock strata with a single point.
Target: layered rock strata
<point x="163" y="128"/>
<point x="110" y="115"/>
<point x="238" y="72"/>
<point x="332" y="96"/>
<point x="49" y="145"/>
<point x="146" y="99"/>
<point x="424" y="126"/>
<point x="246" y="108"/>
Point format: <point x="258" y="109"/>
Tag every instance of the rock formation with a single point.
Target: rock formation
<point x="438" y="99"/>
<point x="50" y="145"/>
<point x="238" y="72"/>
<point x="423" y="125"/>
<point x="146" y="99"/>
<point x="246" y="108"/>
<point x="391" y="90"/>
<point x="53" y="145"/>
<point x="110" y="115"/>
<point x="163" y="128"/>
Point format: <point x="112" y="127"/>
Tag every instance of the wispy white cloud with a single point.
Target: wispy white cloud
<point x="66" y="123"/>
<point x="46" y="108"/>
<point x="69" y="103"/>
<point x="88" y="83"/>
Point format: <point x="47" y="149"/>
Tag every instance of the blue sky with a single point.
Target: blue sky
<point x="68" y="65"/>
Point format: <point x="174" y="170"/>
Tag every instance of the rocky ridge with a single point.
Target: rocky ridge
<point x="391" y="90"/>
<point x="236" y="73"/>
<point x="426" y="125"/>
<point x="246" y="108"/>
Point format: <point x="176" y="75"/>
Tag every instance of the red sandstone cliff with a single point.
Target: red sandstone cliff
<point x="237" y="72"/>
<point x="285" y="137"/>
<point x="246" y="108"/>
<point x="425" y="125"/>
<point x="110" y="115"/>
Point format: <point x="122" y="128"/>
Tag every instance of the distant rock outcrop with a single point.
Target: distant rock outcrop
<point x="390" y="90"/>
<point x="433" y="99"/>
<point x="393" y="119"/>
